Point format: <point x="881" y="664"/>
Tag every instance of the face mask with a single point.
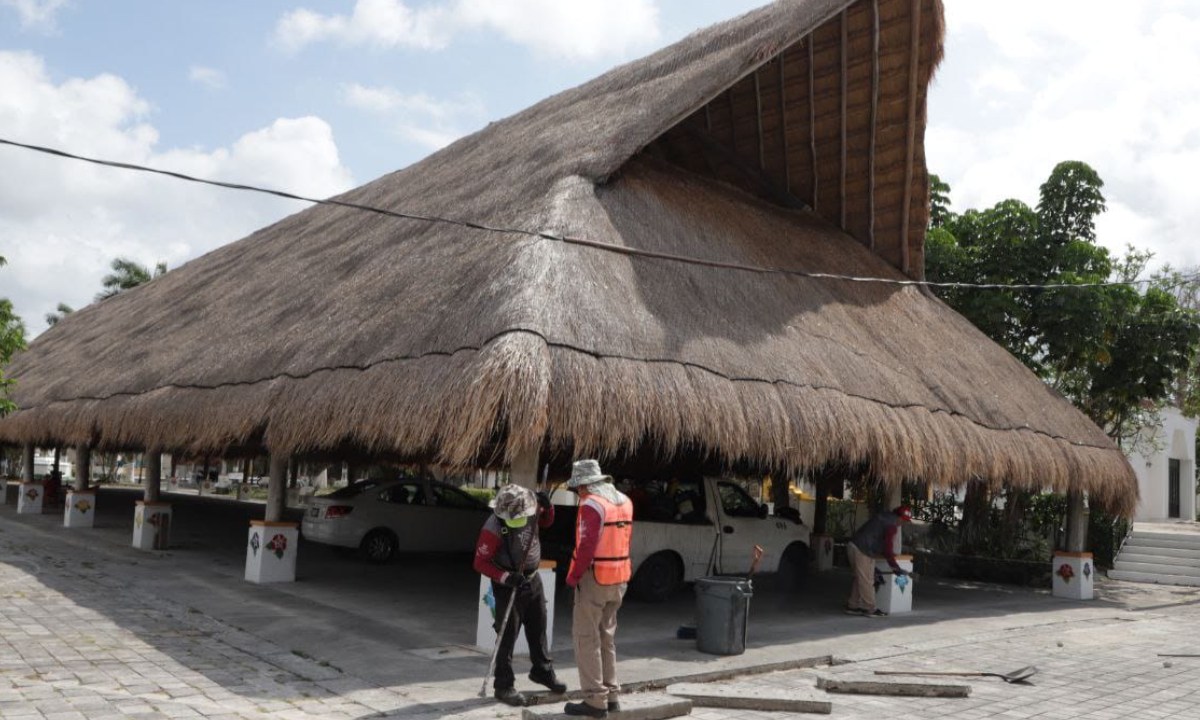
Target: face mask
<point x="517" y="523"/>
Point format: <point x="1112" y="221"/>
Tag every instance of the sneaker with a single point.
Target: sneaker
<point x="510" y="696"/>
<point x="614" y="706"/>
<point x="582" y="709"/>
<point x="856" y="611"/>
<point x="549" y="679"/>
<point x="878" y="613"/>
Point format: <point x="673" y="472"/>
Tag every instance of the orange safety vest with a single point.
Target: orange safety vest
<point x="611" y="565"/>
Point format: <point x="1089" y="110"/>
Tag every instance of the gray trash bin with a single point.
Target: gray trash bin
<point x="722" y="613"/>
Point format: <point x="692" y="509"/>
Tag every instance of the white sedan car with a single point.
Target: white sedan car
<point x="383" y="517"/>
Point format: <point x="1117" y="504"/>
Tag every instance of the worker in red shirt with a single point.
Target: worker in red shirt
<point x="509" y="552"/>
<point x="599" y="573"/>
<point x="876" y="538"/>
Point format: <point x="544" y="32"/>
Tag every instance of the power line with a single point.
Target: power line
<point x="607" y="247"/>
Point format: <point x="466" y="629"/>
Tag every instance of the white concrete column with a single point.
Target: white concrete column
<point x="894" y="594"/>
<point x="272" y="546"/>
<point x="152" y="525"/>
<point x="29" y="502"/>
<point x="271" y="552"/>
<point x="1073" y="569"/>
<point x="524" y="469"/>
<point x="79" y="510"/>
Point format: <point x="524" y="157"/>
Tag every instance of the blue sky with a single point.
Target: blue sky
<point x="318" y="96"/>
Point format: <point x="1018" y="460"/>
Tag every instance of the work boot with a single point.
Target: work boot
<point x="510" y="696"/>
<point x="614" y="706"/>
<point x="549" y="679"/>
<point x="584" y="710"/>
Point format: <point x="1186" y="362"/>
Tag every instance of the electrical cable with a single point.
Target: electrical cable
<point x="607" y="247"/>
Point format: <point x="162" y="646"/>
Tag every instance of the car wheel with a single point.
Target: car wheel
<point x="657" y="578"/>
<point x="379" y="546"/>
<point x="793" y="566"/>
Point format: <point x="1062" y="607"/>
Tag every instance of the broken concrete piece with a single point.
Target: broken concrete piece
<point x="643" y="706"/>
<point x="746" y="697"/>
<point x="884" y="687"/>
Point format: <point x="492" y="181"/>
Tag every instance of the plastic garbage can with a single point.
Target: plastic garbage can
<point x="722" y="614"/>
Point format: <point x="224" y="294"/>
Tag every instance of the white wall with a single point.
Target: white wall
<point x="1177" y="440"/>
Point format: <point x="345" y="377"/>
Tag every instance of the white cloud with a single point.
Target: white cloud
<point x="36" y="13"/>
<point x="580" y="29"/>
<point x="377" y="23"/>
<point x="206" y="76"/>
<point x="585" y="29"/>
<point x="419" y="118"/>
<point x="62" y="222"/>
<point x="1108" y="82"/>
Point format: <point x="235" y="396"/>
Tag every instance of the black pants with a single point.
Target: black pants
<point x="529" y="610"/>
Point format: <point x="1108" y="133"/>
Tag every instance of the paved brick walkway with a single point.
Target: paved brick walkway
<point x="85" y="634"/>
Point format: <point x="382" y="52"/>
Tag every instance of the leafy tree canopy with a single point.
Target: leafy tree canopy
<point x="127" y="274"/>
<point x="1115" y="351"/>
<point x="59" y="313"/>
<point x="12" y="339"/>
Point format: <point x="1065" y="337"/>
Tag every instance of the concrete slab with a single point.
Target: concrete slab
<point x="644" y="706"/>
<point x="749" y="697"/>
<point x="888" y="687"/>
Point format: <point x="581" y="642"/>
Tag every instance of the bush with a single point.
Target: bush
<point x="484" y="495"/>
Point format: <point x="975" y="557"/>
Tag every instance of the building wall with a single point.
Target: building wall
<point x="1176" y="440"/>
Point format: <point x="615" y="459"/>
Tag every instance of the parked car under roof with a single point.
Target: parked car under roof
<point x="382" y="518"/>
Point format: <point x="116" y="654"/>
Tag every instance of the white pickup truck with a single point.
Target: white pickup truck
<point x="687" y="529"/>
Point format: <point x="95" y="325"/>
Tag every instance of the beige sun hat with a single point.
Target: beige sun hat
<point x="586" y="472"/>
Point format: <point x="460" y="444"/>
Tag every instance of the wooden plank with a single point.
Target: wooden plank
<point x="899" y="689"/>
<point x="745" y="697"/>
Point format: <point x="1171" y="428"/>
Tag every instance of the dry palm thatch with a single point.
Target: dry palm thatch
<point x="789" y="139"/>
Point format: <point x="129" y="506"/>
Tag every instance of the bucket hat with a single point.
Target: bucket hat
<point x="514" y="502"/>
<point x="586" y="472"/>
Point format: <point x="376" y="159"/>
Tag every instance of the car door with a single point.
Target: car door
<point x="740" y="525"/>
<point x="401" y="507"/>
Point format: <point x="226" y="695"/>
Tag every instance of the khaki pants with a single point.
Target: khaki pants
<point x="862" y="591"/>
<point x="594" y="630"/>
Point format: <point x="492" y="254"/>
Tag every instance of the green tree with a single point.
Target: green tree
<point x="1113" y="351"/>
<point x="1184" y="285"/>
<point x="127" y="274"/>
<point x="59" y="313"/>
<point x="12" y="339"/>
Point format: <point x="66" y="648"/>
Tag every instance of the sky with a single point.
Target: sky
<point x="316" y="97"/>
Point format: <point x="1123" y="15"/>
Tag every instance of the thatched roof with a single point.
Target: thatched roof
<point x="776" y="140"/>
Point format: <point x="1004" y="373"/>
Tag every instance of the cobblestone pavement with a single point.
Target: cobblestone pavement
<point x="80" y="639"/>
<point x="1097" y="670"/>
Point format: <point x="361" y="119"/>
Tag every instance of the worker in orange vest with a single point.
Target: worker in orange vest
<point x="600" y="571"/>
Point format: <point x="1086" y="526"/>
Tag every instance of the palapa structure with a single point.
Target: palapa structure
<point x="658" y="295"/>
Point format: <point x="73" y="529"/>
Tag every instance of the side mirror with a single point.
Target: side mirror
<point x="763" y="510"/>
